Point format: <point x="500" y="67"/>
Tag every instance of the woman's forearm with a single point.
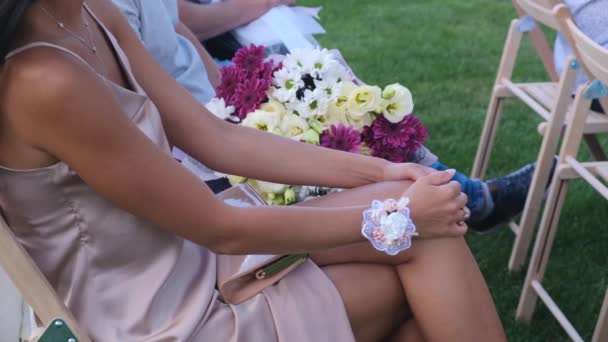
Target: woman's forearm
<point x="279" y="230"/>
<point x="208" y="21"/>
<point x="259" y="155"/>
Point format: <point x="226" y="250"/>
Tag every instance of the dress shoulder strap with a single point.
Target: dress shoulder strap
<point x="47" y="45"/>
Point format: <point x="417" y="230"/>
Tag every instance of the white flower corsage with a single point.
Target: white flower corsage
<point x="388" y="226"/>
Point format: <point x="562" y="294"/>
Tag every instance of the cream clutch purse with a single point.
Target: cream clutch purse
<point x="240" y="277"/>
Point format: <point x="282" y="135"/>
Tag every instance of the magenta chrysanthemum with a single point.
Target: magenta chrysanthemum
<point x="230" y="80"/>
<point x="394" y="142"/>
<point x="394" y="155"/>
<point x="249" y="58"/>
<point x="245" y="83"/>
<point x="342" y="138"/>
<point x="249" y="95"/>
<point x="265" y="71"/>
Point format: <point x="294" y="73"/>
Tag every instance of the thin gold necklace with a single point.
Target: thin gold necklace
<point x="89" y="44"/>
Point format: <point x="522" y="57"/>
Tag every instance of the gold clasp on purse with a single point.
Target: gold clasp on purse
<point x="279" y="265"/>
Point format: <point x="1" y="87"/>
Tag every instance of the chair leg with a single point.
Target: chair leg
<point x="534" y="201"/>
<point x="551" y="138"/>
<point x="505" y="71"/>
<point x="595" y="147"/>
<point x="601" y="329"/>
<point x="486" y="141"/>
<point x="542" y="248"/>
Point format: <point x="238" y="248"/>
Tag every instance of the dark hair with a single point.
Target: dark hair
<point x="11" y="13"/>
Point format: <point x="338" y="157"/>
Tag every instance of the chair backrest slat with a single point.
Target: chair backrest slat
<point x="34" y="287"/>
<point x="592" y="55"/>
<point x="541" y="10"/>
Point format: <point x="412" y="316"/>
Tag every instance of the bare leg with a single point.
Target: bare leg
<point x="373" y="297"/>
<point x="409" y="332"/>
<point x="440" y="278"/>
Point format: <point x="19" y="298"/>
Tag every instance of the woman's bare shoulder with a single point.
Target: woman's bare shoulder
<point x="39" y="74"/>
<point x="36" y="87"/>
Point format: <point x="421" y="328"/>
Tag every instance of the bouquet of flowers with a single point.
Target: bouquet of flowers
<point x="311" y="97"/>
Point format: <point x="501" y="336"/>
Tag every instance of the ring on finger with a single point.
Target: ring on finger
<point x="467" y="213"/>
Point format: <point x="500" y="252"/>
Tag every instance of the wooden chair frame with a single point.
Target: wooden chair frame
<point x="595" y="58"/>
<point x="550" y="101"/>
<point x="543" y="50"/>
<point x="34" y="287"/>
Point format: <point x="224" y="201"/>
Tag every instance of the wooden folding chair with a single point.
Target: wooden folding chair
<point x="594" y="59"/>
<point x="550" y="100"/>
<point x="543" y="50"/>
<point x="37" y="291"/>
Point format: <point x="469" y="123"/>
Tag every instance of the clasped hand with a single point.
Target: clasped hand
<point x="436" y="202"/>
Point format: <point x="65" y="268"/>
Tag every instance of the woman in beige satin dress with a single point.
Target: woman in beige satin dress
<point x="128" y="238"/>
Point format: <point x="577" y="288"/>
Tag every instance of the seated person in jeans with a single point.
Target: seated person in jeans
<point x="155" y="22"/>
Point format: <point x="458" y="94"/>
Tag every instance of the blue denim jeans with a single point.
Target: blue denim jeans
<point x="473" y="188"/>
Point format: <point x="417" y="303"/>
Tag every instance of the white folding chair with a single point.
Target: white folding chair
<point x="594" y="59"/>
<point x="550" y="100"/>
<point x="34" y="287"/>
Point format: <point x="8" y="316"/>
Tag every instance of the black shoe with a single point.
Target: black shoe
<point x="509" y="194"/>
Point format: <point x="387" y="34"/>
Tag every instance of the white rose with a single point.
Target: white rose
<point x="293" y="126"/>
<point x="234" y="180"/>
<point x="359" y="122"/>
<point x="363" y="100"/>
<point x="274" y="106"/>
<point x="217" y="107"/>
<point x="398" y="102"/>
<point x="267" y="187"/>
<point x="336" y="114"/>
<point x="347" y="88"/>
<point x="262" y="120"/>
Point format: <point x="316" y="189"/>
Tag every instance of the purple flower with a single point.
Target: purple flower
<point x="230" y="80"/>
<point x="341" y="138"/>
<point x="394" y="155"/>
<point x="249" y="95"/>
<point x="394" y="142"/>
<point x="249" y="58"/>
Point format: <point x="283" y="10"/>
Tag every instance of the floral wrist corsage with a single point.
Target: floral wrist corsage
<point x="388" y="226"/>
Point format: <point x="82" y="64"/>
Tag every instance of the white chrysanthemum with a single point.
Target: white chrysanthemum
<point x="293" y="126"/>
<point x="338" y="71"/>
<point x="286" y="84"/>
<point x="262" y="120"/>
<point x="217" y="107"/>
<point x="332" y="89"/>
<point x="313" y="103"/>
<point x="363" y="100"/>
<point x="300" y="60"/>
<point x="321" y="61"/>
<point x="398" y="102"/>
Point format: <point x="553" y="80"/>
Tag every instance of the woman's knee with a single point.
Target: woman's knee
<point x="448" y="247"/>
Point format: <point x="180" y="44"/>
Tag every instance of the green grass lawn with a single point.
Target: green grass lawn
<point x="447" y="53"/>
